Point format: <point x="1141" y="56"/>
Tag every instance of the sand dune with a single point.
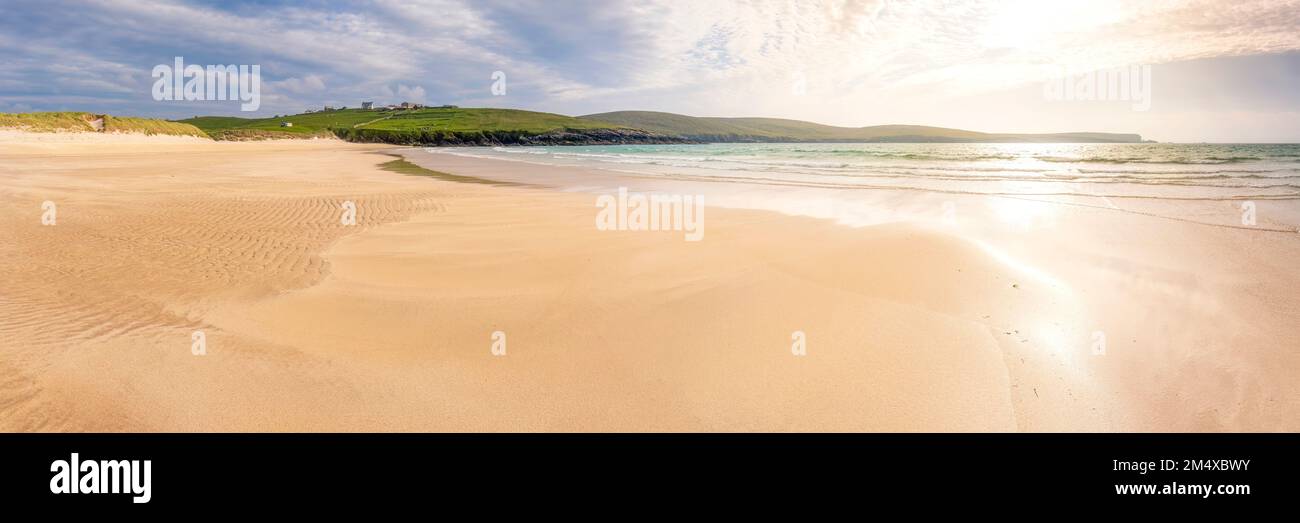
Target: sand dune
<point x="386" y="325"/>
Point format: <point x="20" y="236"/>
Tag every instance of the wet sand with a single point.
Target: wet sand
<point x="313" y="325"/>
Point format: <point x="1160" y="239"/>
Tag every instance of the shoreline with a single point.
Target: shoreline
<point x="909" y="326"/>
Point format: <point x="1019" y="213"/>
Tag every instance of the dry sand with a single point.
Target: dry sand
<point x="312" y="325"/>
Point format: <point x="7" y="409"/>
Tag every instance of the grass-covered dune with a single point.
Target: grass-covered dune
<point x="434" y="126"/>
<point x="127" y="124"/>
<point x="49" y="122"/>
<point x="709" y="129"/>
<point x="88" y="122"/>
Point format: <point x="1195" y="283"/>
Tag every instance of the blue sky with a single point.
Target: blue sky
<point x="1221" y="70"/>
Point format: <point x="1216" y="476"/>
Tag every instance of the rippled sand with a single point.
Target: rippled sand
<point x="387" y="325"/>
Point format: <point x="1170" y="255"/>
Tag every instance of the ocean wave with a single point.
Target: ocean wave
<point x="1197" y="170"/>
<point x="1211" y="160"/>
<point x="850" y="168"/>
<point x="1273" y="195"/>
<point x="909" y="155"/>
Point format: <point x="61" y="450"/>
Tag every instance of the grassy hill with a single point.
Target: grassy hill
<point x="87" y="122"/>
<point x="780" y="130"/>
<point x="304" y="125"/>
<point x="415" y="126"/>
<point x="482" y="126"/>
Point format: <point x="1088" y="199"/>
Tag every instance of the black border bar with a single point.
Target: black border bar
<point x="474" y="471"/>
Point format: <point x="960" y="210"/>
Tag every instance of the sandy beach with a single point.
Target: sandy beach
<point x="387" y="325"/>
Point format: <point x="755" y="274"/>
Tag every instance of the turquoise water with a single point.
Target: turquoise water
<point x="1162" y="171"/>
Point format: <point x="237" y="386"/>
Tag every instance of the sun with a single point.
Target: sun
<point x="1043" y="25"/>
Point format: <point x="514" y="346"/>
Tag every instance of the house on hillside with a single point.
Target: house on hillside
<point x="367" y="105"/>
<point x="286" y="124"/>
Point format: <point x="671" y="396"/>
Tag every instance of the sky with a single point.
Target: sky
<point x="1220" y="71"/>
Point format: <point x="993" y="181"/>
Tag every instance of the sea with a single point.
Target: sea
<point x="1118" y="176"/>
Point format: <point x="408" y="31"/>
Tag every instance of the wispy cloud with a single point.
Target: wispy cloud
<point x="858" y="61"/>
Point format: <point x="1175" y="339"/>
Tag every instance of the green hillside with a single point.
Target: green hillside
<point x="484" y="126"/>
<point x="304" y="125"/>
<point x="374" y="125"/>
<point x="779" y="130"/>
<point x="88" y="122"/>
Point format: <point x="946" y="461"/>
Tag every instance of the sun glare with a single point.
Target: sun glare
<point x="1039" y="25"/>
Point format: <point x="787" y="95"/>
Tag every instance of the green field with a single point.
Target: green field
<point x="363" y="124"/>
<point x="88" y="122"/>
<point x="483" y="126"/>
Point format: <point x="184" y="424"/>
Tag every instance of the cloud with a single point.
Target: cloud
<point x="859" y="60"/>
<point x="411" y="94"/>
<point x="308" y="84"/>
<point x="15" y="108"/>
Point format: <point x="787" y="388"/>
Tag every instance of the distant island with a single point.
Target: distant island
<point x="455" y="126"/>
